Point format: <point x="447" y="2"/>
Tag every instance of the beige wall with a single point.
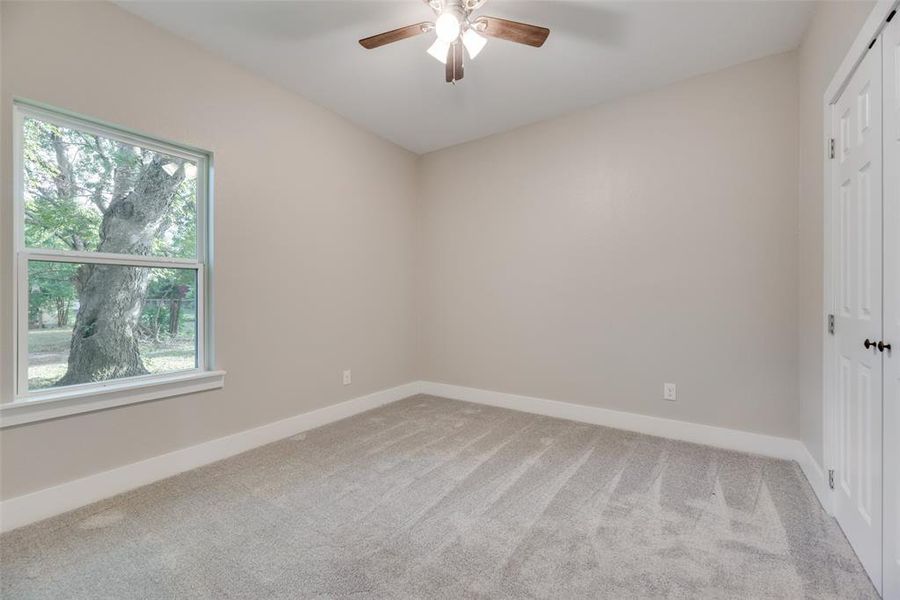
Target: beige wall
<point x="833" y="28"/>
<point x="594" y="257"/>
<point x="314" y="233"/>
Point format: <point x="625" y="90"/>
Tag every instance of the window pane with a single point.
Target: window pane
<point x="90" y="322"/>
<point x="90" y="193"/>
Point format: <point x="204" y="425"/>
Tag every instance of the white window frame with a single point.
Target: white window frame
<point x="34" y="405"/>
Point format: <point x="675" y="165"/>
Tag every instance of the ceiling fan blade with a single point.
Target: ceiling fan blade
<point x="454" y="67"/>
<point x="395" y="35"/>
<point x="448" y="66"/>
<point x="457" y="61"/>
<point x="522" y="33"/>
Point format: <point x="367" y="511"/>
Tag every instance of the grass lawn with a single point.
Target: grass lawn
<point x="48" y="352"/>
<point x="49" y="340"/>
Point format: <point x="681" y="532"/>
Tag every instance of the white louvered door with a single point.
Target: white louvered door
<point x="857" y="196"/>
<point x="891" y="53"/>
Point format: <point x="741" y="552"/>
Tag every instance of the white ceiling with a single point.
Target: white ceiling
<point x="596" y="51"/>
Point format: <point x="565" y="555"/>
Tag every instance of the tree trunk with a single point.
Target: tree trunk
<point x="174" y="316"/>
<point x="62" y="312"/>
<point x="104" y="339"/>
<point x="156" y="321"/>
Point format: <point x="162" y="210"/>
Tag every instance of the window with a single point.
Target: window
<point x="111" y="260"/>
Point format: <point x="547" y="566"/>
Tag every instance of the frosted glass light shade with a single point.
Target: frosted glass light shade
<point x="439" y="50"/>
<point x="473" y="42"/>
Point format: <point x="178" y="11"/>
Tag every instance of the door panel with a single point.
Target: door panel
<point x="891" y="40"/>
<point x="857" y="189"/>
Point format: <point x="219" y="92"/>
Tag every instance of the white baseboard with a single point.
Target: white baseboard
<point x="817" y="479"/>
<point x="720" y="437"/>
<point x="22" y="510"/>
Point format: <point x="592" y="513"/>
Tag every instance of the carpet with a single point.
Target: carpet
<point x="435" y="498"/>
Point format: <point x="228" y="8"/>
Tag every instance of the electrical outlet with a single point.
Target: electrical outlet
<point x="669" y="391"/>
<point x="348" y="377"/>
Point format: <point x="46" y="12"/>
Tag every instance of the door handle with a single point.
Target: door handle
<point x="882" y="347"/>
<point x="869" y="344"/>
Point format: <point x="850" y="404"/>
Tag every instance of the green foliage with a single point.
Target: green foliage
<point x="170" y="307"/>
<point x="50" y="287"/>
<point x="51" y="220"/>
<point x="71" y="177"/>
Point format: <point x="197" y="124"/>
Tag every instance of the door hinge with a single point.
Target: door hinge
<point x="831" y="324"/>
<point x="831" y="479"/>
<point x="831" y="148"/>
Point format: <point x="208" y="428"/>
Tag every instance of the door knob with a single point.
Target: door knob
<point x="882" y="347"/>
<point x="869" y="344"/>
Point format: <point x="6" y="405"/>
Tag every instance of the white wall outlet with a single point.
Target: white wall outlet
<point x="669" y="391"/>
<point x="348" y="377"/>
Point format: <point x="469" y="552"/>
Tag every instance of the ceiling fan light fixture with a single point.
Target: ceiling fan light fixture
<point x="456" y="28"/>
<point x="447" y="27"/>
<point x="439" y="50"/>
<point x="473" y="42"/>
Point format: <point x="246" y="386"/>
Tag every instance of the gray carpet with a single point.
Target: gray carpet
<point x="433" y="498"/>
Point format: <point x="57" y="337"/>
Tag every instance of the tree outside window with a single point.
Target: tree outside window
<point x="113" y="259"/>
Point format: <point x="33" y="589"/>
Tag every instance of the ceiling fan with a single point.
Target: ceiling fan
<point x="456" y="28"/>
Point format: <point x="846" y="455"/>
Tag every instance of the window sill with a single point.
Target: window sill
<point x="60" y="403"/>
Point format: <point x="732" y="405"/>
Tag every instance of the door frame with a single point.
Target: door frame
<point x="870" y="30"/>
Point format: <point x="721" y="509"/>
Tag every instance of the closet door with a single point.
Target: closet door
<point x="891" y="358"/>
<point x="857" y="193"/>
